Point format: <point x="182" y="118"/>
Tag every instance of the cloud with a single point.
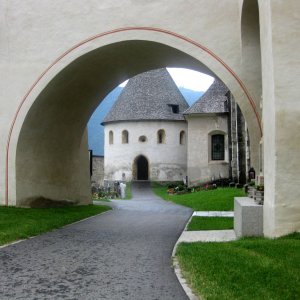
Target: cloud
<point x="188" y="79"/>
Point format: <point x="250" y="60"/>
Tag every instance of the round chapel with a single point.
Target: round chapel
<point x="145" y="131"/>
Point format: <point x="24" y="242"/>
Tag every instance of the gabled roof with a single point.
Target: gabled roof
<point x="148" y="96"/>
<point x="213" y="101"/>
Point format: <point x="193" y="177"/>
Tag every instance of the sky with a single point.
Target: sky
<point x="188" y="79"/>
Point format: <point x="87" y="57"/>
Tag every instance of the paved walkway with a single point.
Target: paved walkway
<point x="122" y="254"/>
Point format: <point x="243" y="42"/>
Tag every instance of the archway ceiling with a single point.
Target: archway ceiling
<point x="75" y="92"/>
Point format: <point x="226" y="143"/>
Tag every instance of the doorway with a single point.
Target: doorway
<point x="142" y="168"/>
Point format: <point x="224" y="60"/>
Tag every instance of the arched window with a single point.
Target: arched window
<point x="217" y="147"/>
<point x="161" y="137"/>
<point x="182" y="138"/>
<point x="111" y="137"/>
<point x="125" y="137"/>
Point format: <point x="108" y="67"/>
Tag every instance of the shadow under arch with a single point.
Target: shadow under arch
<point x="50" y="153"/>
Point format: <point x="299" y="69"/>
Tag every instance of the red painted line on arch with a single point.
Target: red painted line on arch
<point x="153" y="29"/>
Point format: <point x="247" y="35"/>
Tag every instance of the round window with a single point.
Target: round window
<point x="142" y="138"/>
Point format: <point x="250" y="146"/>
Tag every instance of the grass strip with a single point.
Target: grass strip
<point x="253" y="268"/>
<point x="210" y="223"/>
<point x="21" y="223"/>
<point x="128" y="193"/>
<point x="220" y="199"/>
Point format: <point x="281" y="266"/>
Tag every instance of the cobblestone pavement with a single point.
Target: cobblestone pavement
<point x="122" y="254"/>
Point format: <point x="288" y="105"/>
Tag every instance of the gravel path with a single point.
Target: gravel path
<point x="122" y="254"/>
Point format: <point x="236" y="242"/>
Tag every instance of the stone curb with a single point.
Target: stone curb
<point x="178" y="272"/>
<point x="182" y="281"/>
<point x="229" y="214"/>
<point x="177" y="243"/>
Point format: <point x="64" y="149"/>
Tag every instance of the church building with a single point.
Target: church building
<point x="151" y="133"/>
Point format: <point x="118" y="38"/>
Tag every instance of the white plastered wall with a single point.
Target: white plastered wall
<point x="200" y="166"/>
<point x="280" y="39"/>
<point x="167" y="161"/>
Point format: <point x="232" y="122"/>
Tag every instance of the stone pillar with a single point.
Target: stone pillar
<point x="233" y="131"/>
<point x="241" y="139"/>
<point x="280" y="40"/>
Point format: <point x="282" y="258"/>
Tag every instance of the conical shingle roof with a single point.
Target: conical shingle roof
<point x="213" y="101"/>
<point x="149" y="96"/>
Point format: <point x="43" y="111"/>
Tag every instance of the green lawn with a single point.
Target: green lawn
<point x="21" y="223"/>
<point x="244" y="269"/>
<point x="220" y="199"/>
<point x="128" y="193"/>
<point x="210" y="223"/>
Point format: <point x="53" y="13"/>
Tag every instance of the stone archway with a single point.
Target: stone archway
<point x="72" y="40"/>
<point x="61" y="101"/>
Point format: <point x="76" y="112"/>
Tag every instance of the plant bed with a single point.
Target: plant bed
<point x="252" y="268"/>
<point x="106" y="194"/>
<point x="210" y="223"/>
<point x="21" y="223"/>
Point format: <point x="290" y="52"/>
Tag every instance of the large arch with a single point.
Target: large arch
<point x="46" y="148"/>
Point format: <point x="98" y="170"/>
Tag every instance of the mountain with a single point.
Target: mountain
<point x="190" y="96"/>
<point x="96" y="131"/>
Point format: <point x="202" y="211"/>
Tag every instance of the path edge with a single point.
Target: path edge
<point x="183" y="281"/>
<point x="177" y="269"/>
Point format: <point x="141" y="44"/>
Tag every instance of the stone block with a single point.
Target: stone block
<point x="248" y="217"/>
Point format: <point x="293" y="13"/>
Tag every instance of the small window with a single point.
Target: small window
<point x="111" y="137"/>
<point x="142" y="139"/>
<point x="182" y="138"/>
<point x="174" y="108"/>
<point x="161" y="136"/>
<point x="217" y="147"/>
<point x="125" y="137"/>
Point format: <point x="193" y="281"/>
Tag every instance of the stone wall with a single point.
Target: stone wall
<point x="239" y="144"/>
<point x="233" y="145"/>
<point x="97" y="178"/>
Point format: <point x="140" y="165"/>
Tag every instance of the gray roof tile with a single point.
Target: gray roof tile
<point x="148" y="96"/>
<point x="213" y="101"/>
